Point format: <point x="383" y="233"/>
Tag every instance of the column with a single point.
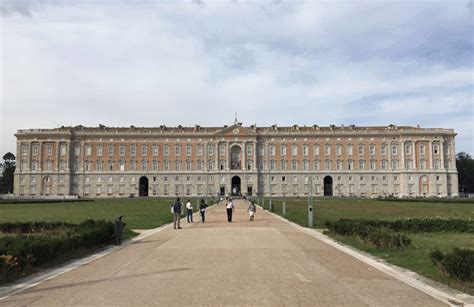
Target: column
<point x="415" y="162"/>
<point x="441" y="153"/>
<point x="431" y="155"/>
<point x="244" y="155"/>
<point x="254" y="156"/>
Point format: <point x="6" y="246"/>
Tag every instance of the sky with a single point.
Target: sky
<point x="148" y="63"/>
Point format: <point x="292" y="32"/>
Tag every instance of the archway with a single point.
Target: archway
<point x="328" y="186"/>
<point x="235" y="186"/>
<point x="235" y="163"/>
<point x="143" y="186"/>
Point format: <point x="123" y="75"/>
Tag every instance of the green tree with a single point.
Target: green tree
<point x="8" y="166"/>
<point x="465" y="166"/>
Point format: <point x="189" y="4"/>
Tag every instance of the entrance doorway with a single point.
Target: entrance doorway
<point x="249" y="191"/>
<point x="328" y="186"/>
<point x="222" y="191"/>
<point x="143" y="186"/>
<point x="235" y="186"/>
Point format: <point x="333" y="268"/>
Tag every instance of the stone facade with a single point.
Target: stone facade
<point x="203" y="161"/>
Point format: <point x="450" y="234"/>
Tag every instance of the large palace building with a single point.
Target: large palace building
<point x="234" y="160"/>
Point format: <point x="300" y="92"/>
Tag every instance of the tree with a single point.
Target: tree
<point x="465" y="166"/>
<point x="8" y="166"/>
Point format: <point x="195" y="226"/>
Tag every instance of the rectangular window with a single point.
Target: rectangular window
<point x="166" y="150"/>
<point x="166" y="165"/>
<point x="394" y="150"/>
<point x="422" y="149"/>
<point x="77" y="149"/>
<point x="155" y="150"/>
<point x="49" y="150"/>
<point x="211" y="165"/>
<point x="328" y="164"/>
<point x="437" y="164"/>
<point x="24" y="149"/>
<point x="210" y="150"/>
<point x="394" y="164"/>
<point x="283" y="150"/>
<point x="176" y="165"/>
<point x="133" y="150"/>
<point x="372" y="149"/>
<point x="317" y="165"/>
<point x="272" y="165"/>
<point x="383" y="149"/>
<point x="305" y="150"/>
<point x="436" y="149"/>
<point x="422" y="164"/>
<point x="338" y="149"/>
<point x="144" y="165"/>
<point x="349" y="149"/>
<point x="249" y="150"/>
<point x="111" y="150"/>
<point x="361" y="149"/>
<point x="177" y="150"/>
<point x="361" y="164"/>
<point x="350" y="165"/>
<point x="305" y="165"/>
<point x="99" y="165"/>
<point x="316" y="150"/>
<point x="188" y="151"/>
<point x="200" y="150"/>
<point x="261" y="149"/>
<point x="188" y="165"/>
<point x="339" y="165"/>
<point x="35" y="150"/>
<point x="294" y="165"/>
<point x="155" y="165"/>
<point x="144" y="150"/>
<point x="372" y="164"/>
<point x="111" y="166"/>
<point x="384" y="164"/>
<point x="408" y="149"/>
<point x="122" y="150"/>
<point x="133" y="165"/>
<point x="100" y="150"/>
<point x="222" y="149"/>
<point x="327" y="149"/>
<point x="272" y="150"/>
<point x="122" y="165"/>
<point x="408" y="164"/>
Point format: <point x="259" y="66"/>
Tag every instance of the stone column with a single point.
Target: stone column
<point x="431" y="163"/>
<point x="243" y="166"/>
<point x="415" y="162"/>
<point x="254" y="156"/>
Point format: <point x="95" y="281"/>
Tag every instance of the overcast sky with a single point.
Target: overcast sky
<point x="147" y="63"/>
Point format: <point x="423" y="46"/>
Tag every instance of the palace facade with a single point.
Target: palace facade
<point x="293" y="161"/>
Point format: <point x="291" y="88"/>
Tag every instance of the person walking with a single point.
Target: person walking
<point x="189" y="208"/>
<point x="252" y="209"/>
<point x="176" y="213"/>
<point x="202" y="210"/>
<point x="230" y="208"/>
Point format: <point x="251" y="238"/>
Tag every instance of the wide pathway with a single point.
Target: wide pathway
<point x="264" y="262"/>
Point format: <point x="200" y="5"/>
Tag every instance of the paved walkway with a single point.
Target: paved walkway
<point x="264" y="262"/>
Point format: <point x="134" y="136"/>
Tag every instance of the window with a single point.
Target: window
<point x="328" y="164"/>
<point x="166" y="165"/>
<point x="77" y="149"/>
<point x="122" y="164"/>
<point x="361" y="164"/>
<point x="200" y="150"/>
<point x="317" y="165"/>
<point x="409" y="164"/>
<point x="261" y="149"/>
<point x="305" y="165"/>
<point x="210" y="165"/>
<point x="372" y="164"/>
<point x="35" y="149"/>
<point x="349" y="149"/>
<point x="261" y="165"/>
<point x="394" y="150"/>
<point x="272" y="165"/>
<point x="144" y="150"/>
<point x="339" y="165"/>
<point x="100" y="150"/>
<point x="384" y="164"/>
<point x="305" y="150"/>
<point x="63" y="165"/>
<point x="294" y="150"/>
<point x="76" y="166"/>
<point x="294" y="165"/>
<point x="24" y="149"/>
<point x="87" y="165"/>
<point x="188" y="165"/>
<point x="222" y="149"/>
<point x="155" y="150"/>
<point x="249" y="150"/>
<point x="283" y="150"/>
<point x="133" y="150"/>
<point x="283" y="165"/>
<point x="88" y="149"/>
<point x="422" y="149"/>
<point x="436" y="149"/>
<point x="210" y="150"/>
<point x="176" y="165"/>
<point x="49" y="165"/>
<point x="249" y="165"/>
<point x="188" y="151"/>
<point x="133" y="165"/>
<point x="316" y="150"/>
<point x="122" y="150"/>
<point x="144" y="165"/>
<point x="361" y="149"/>
<point x="111" y="150"/>
<point x="99" y="165"/>
<point x="372" y="149"/>
<point x="437" y="163"/>
<point x="177" y="150"/>
<point x="166" y="150"/>
<point x="408" y="148"/>
<point x="200" y="165"/>
<point x="272" y="150"/>
<point x="350" y="164"/>
<point x="422" y="164"/>
<point x="383" y="149"/>
<point x="111" y="165"/>
<point x="327" y="149"/>
<point x="338" y="149"/>
<point x="394" y="164"/>
<point x="49" y="149"/>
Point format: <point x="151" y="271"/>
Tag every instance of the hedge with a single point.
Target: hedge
<point x="348" y="227"/>
<point x="28" y="249"/>
<point x="458" y="264"/>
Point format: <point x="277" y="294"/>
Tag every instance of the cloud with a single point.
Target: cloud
<point x="148" y="63"/>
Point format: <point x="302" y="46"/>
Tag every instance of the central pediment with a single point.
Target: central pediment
<point x="236" y="130"/>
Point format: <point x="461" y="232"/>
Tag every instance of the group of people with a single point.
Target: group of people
<point x="230" y="207"/>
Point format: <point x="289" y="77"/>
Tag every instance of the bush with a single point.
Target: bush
<point x="385" y="238"/>
<point x="458" y="264"/>
<point x="30" y="248"/>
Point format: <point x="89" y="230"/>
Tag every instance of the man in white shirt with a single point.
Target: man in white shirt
<point x="189" y="208"/>
<point x="230" y="208"/>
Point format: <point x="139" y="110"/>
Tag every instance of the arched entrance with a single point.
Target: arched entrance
<point x="235" y="186"/>
<point x="143" y="186"/>
<point x="328" y="186"/>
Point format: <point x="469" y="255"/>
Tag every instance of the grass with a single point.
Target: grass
<point x="333" y="209"/>
<point x="137" y="213"/>
<point x="416" y="257"/>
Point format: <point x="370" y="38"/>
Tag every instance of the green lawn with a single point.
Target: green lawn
<point x="333" y="209"/>
<point x="137" y="213"/>
<point x="416" y="257"/>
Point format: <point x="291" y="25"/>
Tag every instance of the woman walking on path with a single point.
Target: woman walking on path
<point x="202" y="210"/>
<point x="189" y="208"/>
<point x="230" y="208"/>
<point x="252" y="209"/>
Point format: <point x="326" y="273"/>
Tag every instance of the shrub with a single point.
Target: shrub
<point x="458" y="264"/>
<point x="385" y="238"/>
